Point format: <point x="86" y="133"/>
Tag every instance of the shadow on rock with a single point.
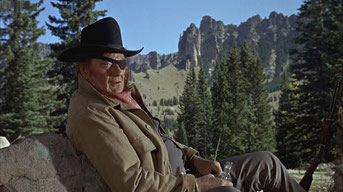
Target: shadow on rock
<point x="47" y="162"/>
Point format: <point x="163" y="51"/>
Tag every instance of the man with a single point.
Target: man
<point x="108" y="121"/>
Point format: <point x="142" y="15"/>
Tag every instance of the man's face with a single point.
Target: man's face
<point x="105" y="76"/>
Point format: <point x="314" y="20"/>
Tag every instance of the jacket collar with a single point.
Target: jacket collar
<point x="87" y="88"/>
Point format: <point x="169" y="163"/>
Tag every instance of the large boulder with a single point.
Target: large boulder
<point x="47" y="162"/>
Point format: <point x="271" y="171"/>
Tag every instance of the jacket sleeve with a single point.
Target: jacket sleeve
<point x="110" y="152"/>
<point x="188" y="152"/>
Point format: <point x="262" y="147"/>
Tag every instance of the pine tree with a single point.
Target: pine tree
<point x="315" y="70"/>
<point x="182" y="135"/>
<point x="219" y="90"/>
<point x="74" y="15"/>
<point x="239" y="113"/>
<point x="189" y="109"/>
<point x="261" y="135"/>
<point x="286" y="118"/>
<point x="230" y="107"/>
<point x="27" y="95"/>
<point x="204" y="117"/>
<point x="247" y="66"/>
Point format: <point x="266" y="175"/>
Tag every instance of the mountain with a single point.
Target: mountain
<point x="162" y="76"/>
<point x="206" y="45"/>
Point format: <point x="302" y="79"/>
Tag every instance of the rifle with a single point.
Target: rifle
<point x="306" y="181"/>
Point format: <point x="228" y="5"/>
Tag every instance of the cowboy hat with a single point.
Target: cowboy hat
<point x="102" y="36"/>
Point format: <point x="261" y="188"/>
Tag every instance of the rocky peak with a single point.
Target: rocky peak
<point x="189" y="45"/>
<point x="209" y="25"/>
<point x="154" y="59"/>
<point x="247" y="30"/>
<point x="275" y="17"/>
<point x="205" y="45"/>
<point x="254" y="20"/>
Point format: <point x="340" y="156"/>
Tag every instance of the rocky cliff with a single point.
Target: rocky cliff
<point x="272" y="37"/>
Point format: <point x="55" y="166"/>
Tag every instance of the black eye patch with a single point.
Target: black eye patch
<point x="121" y="63"/>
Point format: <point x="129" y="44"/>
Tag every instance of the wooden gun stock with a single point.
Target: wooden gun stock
<point x="306" y="181"/>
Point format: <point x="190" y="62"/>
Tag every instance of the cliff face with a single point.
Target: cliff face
<point x="272" y="37"/>
<point x="152" y="60"/>
<point x="189" y="45"/>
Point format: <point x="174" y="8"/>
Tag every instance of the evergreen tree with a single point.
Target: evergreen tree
<point x="74" y="15"/>
<point x="175" y="101"/>
<point x="182" y="135"/>
<point x="218" y="91"/>
<point x="230" y="107"/>
<point x="335" y="34"/>
<point x="189" y="109"/>
<point x="315" y="67"/>
<point x="239" y="113"/>
<point x="248" y="69"/>
<point x="287" y="133"/>
<point x="27" y="95"/>
<point x="304" y="104"/>
<point x="261" y="135"/>
<point x="204" y="117"/>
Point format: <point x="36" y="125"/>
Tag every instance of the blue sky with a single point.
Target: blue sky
<point x="157" y="25"/>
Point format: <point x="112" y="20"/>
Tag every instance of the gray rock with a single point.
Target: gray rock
<point x="189" y="45"/>
<point x="153" y="60"/>
<point x="47" y="162"/>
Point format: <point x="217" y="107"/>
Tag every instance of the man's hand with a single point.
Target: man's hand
<point x="206" y="167"/>
<point x="209" y="181"/>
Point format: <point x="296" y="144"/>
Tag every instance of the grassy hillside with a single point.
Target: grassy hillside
<point x="167" y="83"/>
<point x="161" y="84"/>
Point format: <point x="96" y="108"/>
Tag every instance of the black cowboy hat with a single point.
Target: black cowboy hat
<point x="102" y="36"/>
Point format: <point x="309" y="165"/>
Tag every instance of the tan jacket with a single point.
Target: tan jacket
<point x="122" y="143"/>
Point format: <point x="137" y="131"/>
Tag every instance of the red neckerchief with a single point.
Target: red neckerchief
<point x="126" y="98"/>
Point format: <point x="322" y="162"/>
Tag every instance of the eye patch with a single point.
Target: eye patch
<point x="121" y="63"/>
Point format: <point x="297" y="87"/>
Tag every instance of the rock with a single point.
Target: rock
<point x="189" y="45"/>
<point x="4" y="142"/>
<point x="209" y="25"/>
<point x="205" y="46"/>
<point x="47" y="162"/>
<point x="247" y="30"/>
<point x="154" y="59"/>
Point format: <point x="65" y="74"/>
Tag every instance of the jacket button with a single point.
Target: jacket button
<point x="147" y="126"/>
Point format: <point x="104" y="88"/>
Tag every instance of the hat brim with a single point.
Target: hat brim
<point x="85" y="51"/>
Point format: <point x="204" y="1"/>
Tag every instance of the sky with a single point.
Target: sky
<point x="157" y="25"/>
